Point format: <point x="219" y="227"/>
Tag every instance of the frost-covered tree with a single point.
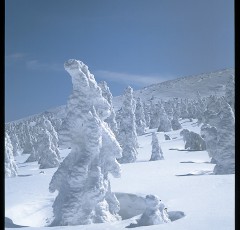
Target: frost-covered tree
<point x="175" y="122"/>
<point x="191" y="109"/>
<point x="225" y="141"/>
<point x="154" y="213"/>
<point x="118" y="117"/>
<point x="140" y="118"/>
<point x="193" y="141"/>
<point x="111" y="120"/>
<point x="28" y="140"/>
<point x="209" y="134"/>
<point x="53" y="135"/>
<point x="36" y="138"/>
<point x="200" y="108"/>
<point x="127" y="129"/>
<point x="17" y="150"/>
<point x="146" y="114"/>
<point x="63" y="134"/>
<point x="157" y="153"/>
<point x="154" y="115"/>
<point x="168" y="106"/>
<point x="212" y="109"/>
<point x="84" y="192"/>
<point x="49" y="156"/>
<point x="164" y="123"/>
<point x="55" y="121"/>
<point x="183" y="110"/>
<point x="10" y="165"/>
<point x="177" y="109"/>
<point x="230" y="92"/>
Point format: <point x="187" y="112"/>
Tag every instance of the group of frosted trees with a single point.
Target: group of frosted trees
<point x="36" y="137"/>
<point x="218" y="131"/>
<point x="100" y="139"/>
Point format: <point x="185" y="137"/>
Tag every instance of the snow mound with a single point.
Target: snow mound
<point x="197" y="173"/>
<point x="9" y="224"/>
<point x="130" y="205"/>
<point x="175" y="215"/>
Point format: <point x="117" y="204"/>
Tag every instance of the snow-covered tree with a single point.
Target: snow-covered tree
<point x="47" y="146"/>
<point x="111" y="120"/>
<point x="212" y="109"/>
<point x="146" y="114"/>
<point x="10" y="165"/>
<point x="28" y="140"/>
<point x="183" y="110"/>
<point x="191" y="109"/>
<point x="164" y="123"/>
<point x="157" y="153"/>
<point x="168" y="106"/>
<point x="209" y="134"/>
<point x="30" y="147"/>
<point x="193" y="141"/>
<point x="84" y="192"/>
<point x="48" y="158"/>
<point x="177" y="109"/>
<point x="63" y="134"/>
<point x="17" y="150"/>
<point x="225" y="141"/>
<point x="230" y="92"/>
<point x="175" y="122"/>
<point x="53" y="135"/>
<point x="200" y="108"/>
<point x="154" y="115"/>
<point x="127" y="129"/>
<point x="140" y="118"/>
<point x="155" y="213"/>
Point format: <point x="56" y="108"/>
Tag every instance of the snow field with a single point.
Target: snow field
<point x="206" y="200"/>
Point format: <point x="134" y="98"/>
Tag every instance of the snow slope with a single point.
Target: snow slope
<point x="183" y="87"/>
<point x="206" y="200"/>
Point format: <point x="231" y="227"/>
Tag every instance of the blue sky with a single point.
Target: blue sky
<point x="124" y="42"/>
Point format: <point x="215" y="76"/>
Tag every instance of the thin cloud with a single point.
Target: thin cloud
<point x="37" y="65"/>
<point x="136" y="79"/>
<point x="17" y="56"/>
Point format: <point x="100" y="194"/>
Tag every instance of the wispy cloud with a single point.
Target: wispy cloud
<point x="37" y="65"/>
<point x="17" y="56"/>
<point x="133" y="79"/>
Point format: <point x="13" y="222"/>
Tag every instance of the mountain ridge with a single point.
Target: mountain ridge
<point x="181" y="87"/>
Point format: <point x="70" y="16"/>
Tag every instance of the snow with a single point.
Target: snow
<point x="183" y="87"/>
<point x="206" y="200"/>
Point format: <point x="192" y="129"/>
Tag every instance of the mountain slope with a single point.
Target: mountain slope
<point x="184" y="87"/>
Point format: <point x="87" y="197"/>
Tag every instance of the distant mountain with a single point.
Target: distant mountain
<point x="183" y="87"/>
